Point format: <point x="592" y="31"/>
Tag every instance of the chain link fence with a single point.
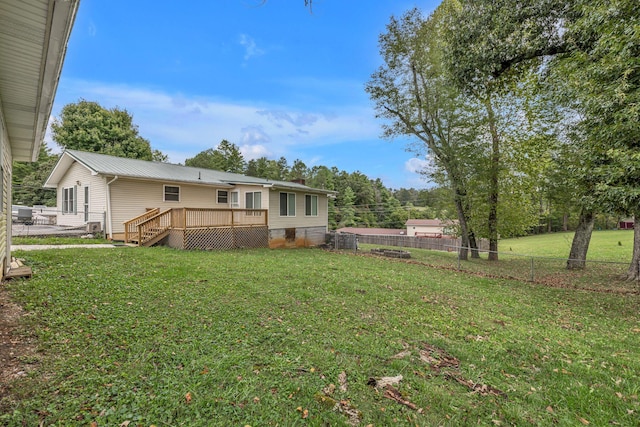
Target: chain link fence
<point x="604" y="276"/>
<point x="45" y="221"/>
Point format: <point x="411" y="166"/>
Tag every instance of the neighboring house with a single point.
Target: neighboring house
<point x="185" y="202"/>
<point x="33" y="41"/>
<point x="372" y="231"/>
<point x="430" y="227"/>
<point x="626" y="224"/>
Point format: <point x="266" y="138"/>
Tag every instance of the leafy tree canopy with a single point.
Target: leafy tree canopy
<point x="28" y="179"/>
<point x="225" y="157"/>
<point x="87" y="126"/>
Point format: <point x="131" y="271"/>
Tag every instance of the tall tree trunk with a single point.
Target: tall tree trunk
<point x="580" y="245"/>
<point x="473" y="244"/>
<point x="565" y="222"/>
<point x="634" y="268"/>
<point x="494" y="171"/>
<point x="459" y="197"/>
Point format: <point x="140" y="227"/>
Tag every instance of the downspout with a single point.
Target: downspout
<point x="108" y="224"/>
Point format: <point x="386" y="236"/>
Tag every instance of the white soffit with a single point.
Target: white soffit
<point x="33" y="41"/>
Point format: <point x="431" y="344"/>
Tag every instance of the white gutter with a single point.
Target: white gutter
<point x="108" y="219"/>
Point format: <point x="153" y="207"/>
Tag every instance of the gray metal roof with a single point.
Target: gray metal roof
<point x="102" y="164"/>
<point x="33" y="41"/>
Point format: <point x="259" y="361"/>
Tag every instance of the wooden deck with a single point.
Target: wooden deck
<point x="154" y="226"/>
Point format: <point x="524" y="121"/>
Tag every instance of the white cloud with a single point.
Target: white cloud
<point x="251" y="49"/>
<point x="250" y="152"/>
<point x="253" y="135"/>
<point x="182" y="126"/>
<point x="416" y="165"/>
<point x="279" y="117"/>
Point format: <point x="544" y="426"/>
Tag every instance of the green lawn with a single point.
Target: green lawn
<point x="174" y="338"/>
<point x="542" y="259"/>
<point x="53" y="240"/>
<point x="610" y="245"/>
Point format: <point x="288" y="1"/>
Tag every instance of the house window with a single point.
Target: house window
<point x="171" y="193"/>
<point x="223" y="197"/>
<point x="235" y="199"/>
<point x="253" y="200"/>
<point x="69" y="200"/>
<point x="86" y="204"/>
<point x="310" y="205"/>
<point x="287" y="204"/>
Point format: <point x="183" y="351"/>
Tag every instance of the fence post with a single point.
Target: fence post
<point x="459" y="249"/>
<point x="532" y="272"/>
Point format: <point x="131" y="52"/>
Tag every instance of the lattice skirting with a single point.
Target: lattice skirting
<point x="219" y="238"/>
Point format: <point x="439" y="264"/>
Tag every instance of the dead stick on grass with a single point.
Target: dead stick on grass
<point x="392" y="393"/>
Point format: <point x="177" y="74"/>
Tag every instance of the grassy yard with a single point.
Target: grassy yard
<point x="542" y="259"/>
<point x="610" y="245"/>
<point x="53" y="240"/>
<point x="162" y="337"/>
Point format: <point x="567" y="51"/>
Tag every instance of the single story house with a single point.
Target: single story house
<point x="33" y="43"/>
<point x="430" y="227"/>
<point x="146" y="202"/>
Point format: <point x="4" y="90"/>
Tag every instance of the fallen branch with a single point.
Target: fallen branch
<point x="392" y="393"/>
<point x="482" y="389"/>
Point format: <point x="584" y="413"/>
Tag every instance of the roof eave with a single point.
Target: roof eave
<point x="60" y="22"/>
<point x="62" y="166"/>
<point x="278" y="186"/>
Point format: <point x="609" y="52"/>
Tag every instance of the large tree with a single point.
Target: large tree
<point x="28" y="179"/>
<point x="263" y="167"/>
<point x="602" y="76"/>
<point x="487" y="41"/>
<point x="412" y="92"/>
<point x="225" y="157"/>
<point x="589" y="45"/>
<point x="88" y="126"/>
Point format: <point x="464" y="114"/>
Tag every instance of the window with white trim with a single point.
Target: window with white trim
<point x="222" y="197"/>
<point x="253" y="200"/>
<point x="86" y="204"/>
<point x="310" y="205"/>
<point x="69" y="200"/>
<point x="171" y="193"/>
<point x="235" y="199"/>
<point x="287" y="204"/>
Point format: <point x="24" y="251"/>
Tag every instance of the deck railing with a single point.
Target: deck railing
<point x="131" y="226"/>
<point x="154" y="226"/>
<point x="183" y="218"/>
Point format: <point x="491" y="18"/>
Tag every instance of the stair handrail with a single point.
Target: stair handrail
<point x="161" y="226"/>
<point x="130" y="226"/>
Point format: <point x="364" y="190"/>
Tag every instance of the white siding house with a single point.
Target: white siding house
<point x="120" y="189"/>
<point x="430" y="227"/>
<point x="33" y="41"/>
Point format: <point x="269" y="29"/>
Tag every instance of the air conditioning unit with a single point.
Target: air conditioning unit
<point x="93" y="227"/>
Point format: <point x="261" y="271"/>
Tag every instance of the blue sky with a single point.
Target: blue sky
<point x="269" y="76"/>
